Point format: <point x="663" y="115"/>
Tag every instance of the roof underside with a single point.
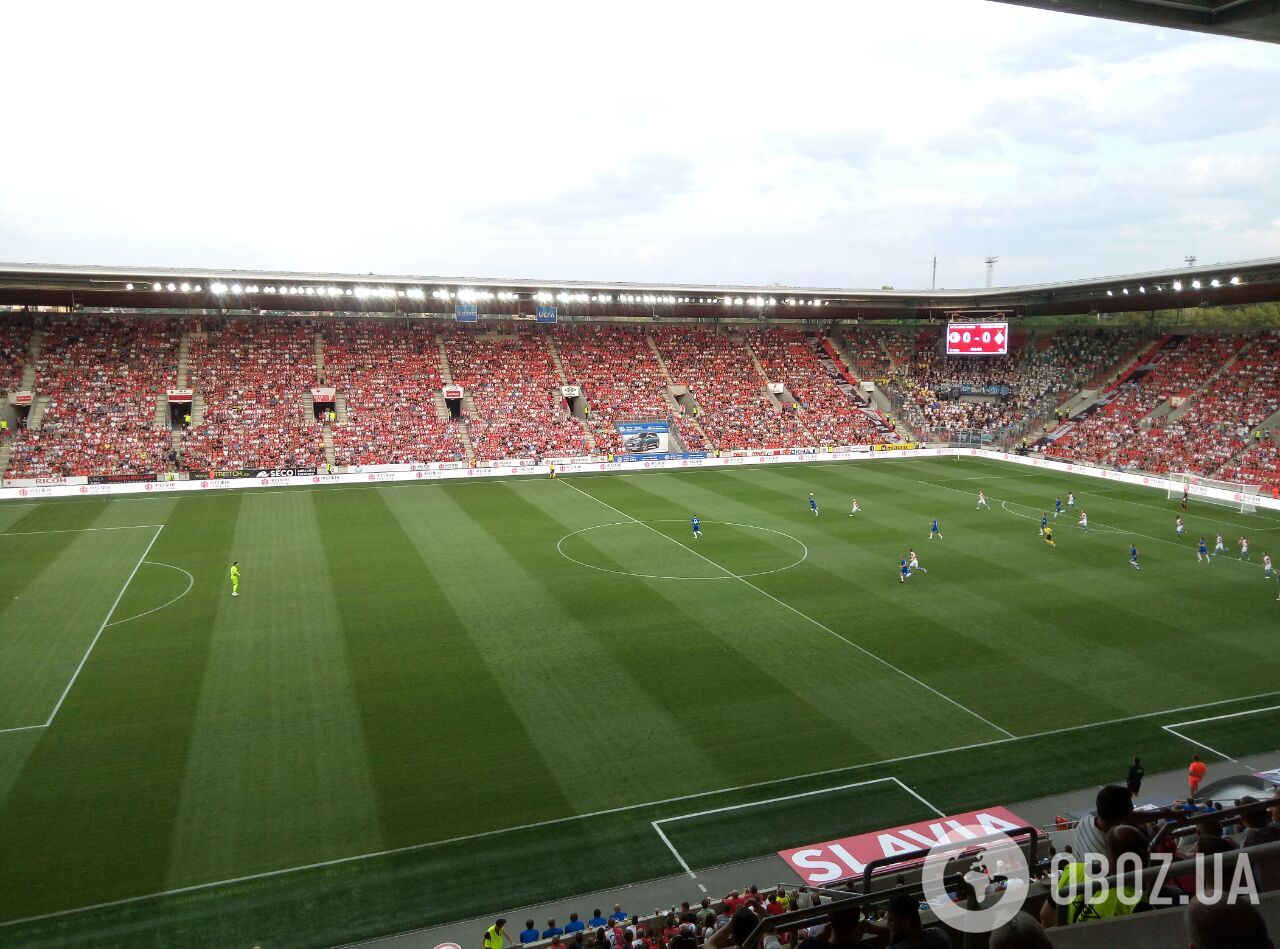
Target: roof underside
<point x="200" y="290"/>
<point x="1245" y="19"/>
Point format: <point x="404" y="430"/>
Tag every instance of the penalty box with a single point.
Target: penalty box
<point x="719" y="835"/>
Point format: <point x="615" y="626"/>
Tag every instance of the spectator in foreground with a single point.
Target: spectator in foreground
<point x="1021" y="932"/>
<point x="1113" y="807"/>
<point x="904" y="928"/>
<point x="1256" y="828"/>
<point x="574" y="924"/>
<point x="844" y="928"/>
<point x="617" y="914"/>
<point x="530" y="932"/>
<point x="552" y="930"/>
<point x="1121" y="840"/>
<point x="1224" y="925"/>
<point x="597" y="921"/>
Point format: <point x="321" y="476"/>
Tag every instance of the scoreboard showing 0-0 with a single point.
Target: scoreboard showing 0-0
<point x="977" y="339"/>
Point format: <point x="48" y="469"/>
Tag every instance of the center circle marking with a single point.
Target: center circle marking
<point x="672" y="520"/>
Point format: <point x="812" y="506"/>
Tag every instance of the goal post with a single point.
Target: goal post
<point x="1242" y="497"/>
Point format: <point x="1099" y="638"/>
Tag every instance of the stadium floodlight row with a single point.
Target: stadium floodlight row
<point x="202" y="289"/>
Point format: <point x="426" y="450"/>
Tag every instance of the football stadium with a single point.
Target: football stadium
<point x="348" y="608"/>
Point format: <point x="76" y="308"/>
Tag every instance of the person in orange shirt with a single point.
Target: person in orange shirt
<point x="1195" y="774"/>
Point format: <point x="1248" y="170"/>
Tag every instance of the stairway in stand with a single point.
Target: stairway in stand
<point x="680" y="418"/>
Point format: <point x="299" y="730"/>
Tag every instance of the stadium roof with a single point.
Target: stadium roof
<point x="199" y="290"/>
<point x="1246" y="19"/>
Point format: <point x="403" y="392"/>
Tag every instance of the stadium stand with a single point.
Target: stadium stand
<point x="252" y="375"/>
<point x="1001" y="398"/>
<point x="1130" y="432"/>
<point x="621" y="381"/>
<point x="15" y="339"/>
<point x="390" y="376"/>
<point x="100" y="376"/>
<point x="829" y="415"/>
<point x="512" y="381"/>
<point x="730" y="391"/>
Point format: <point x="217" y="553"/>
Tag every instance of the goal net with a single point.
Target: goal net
<point x="1242" y="497"/>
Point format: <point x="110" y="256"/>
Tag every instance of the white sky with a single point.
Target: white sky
<point x="829" y="144"/>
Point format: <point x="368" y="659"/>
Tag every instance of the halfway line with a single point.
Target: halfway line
<point x="803" y="616"/>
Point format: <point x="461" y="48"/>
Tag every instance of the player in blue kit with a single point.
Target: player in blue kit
<point x="1044" y="522"/>
<point x="934" y="531"/>
<point x="813" y="505"/>
<point x="906" y="571"/>
<point x="1133" y="557"/>
<point x="1057" y="507"/>
<point x="1202" y="551"/>
<point x="697" y="528"/>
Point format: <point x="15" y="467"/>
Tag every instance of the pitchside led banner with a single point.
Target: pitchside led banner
<point x="834" y="860"/>
<point x="644" y="438"/>
<point x="977" y="339"/>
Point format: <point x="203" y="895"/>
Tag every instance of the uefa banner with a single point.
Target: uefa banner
<point x="644" y="438"/>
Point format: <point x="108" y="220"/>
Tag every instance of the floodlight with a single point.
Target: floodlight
<point x="218" y="288"/>
<point x="1110" y="293"/>
<point x="1195" y="284"/>
<point x="186" y="287"/>
<point x="1235" y="281"/>
<point x="155" y="286"/>
<point x="1125" y="291"/>
<point x="171" y="288"/>
<point x="1177" y="285"/>
<point x="1214" y="282"/>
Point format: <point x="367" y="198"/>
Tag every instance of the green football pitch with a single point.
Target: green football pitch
<point x="439" y="701"/>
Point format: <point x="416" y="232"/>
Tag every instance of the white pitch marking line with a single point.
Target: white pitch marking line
<point x="1173" y="729"/>
<point x="79" y="530"/>
<point x="191" y="581"/>
<point x="803" y="616"/>
<point x="621" y="809"/>
<point x="656" y="825"/>
<point x="1199" y="744"/>
<point x="652" y="576"/>
<point x="105" y="620"/>
<point x="918" y="797"/>
<point x="674" y="852"/>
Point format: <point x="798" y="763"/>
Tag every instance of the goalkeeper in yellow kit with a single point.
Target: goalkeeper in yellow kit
<point x="235" y="578"/>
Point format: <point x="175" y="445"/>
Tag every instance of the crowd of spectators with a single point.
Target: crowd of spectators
<point x="389" y="376"/>
<point x="1121" y="432"/>
<point x="621" y="381"/>
<point x="866" y="356"/>
<point x="830" y="416"/>
<point x="734" y="409"/>
<point x="938" y="395"/>
<point x="15" y="340"/>
<point x="252" y="375"/>
<point x="101" y="376"/>
<point x="513" y="384"/>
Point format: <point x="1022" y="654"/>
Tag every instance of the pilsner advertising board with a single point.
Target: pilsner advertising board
<point x="820" y="864"/>
<point x="644" y="438"/>
<point x="977" y="339"/>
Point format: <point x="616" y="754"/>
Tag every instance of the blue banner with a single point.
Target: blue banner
<point x="663" y="457"/>
<point x="466" y="312"/>
<point x="546" y="314"/>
